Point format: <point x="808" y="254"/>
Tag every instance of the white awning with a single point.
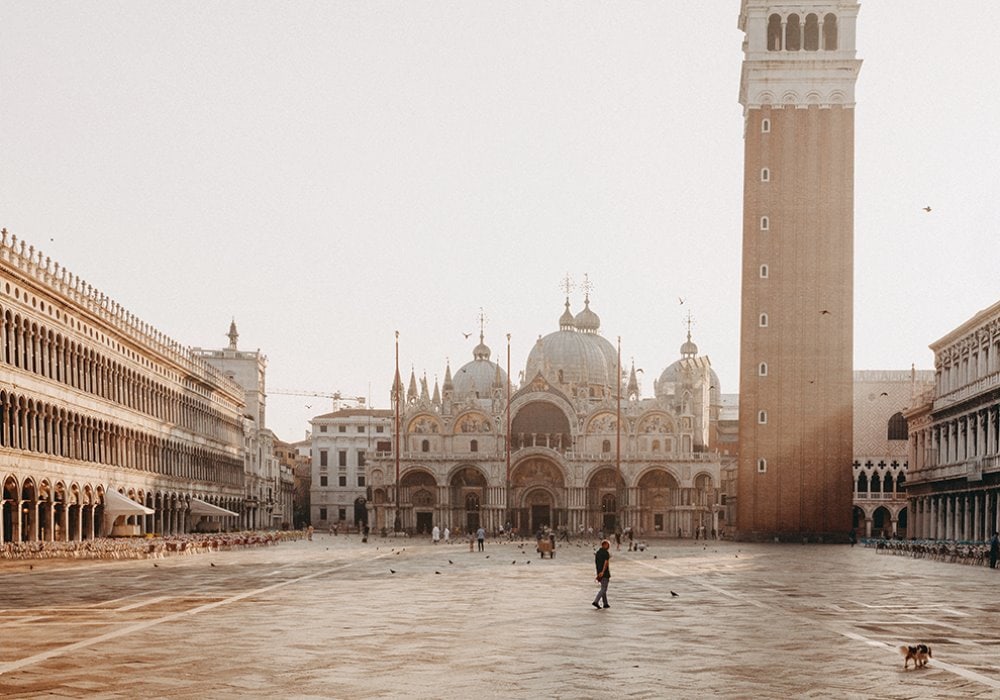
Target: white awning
<point x="200" y="507"/>
<point x="117" y="504"/>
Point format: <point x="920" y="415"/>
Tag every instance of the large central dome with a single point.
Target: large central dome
<point x="575" y="355"/>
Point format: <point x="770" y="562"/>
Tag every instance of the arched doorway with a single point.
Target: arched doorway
<point x="418" y="489"/>
<point x="541" y="509"/>
<point x="538" y="489"/>
<point x="659" y="495"/>
<point x="605" y="492"/>
<point x="468" y="490"/>
<point x="360" y="511"/>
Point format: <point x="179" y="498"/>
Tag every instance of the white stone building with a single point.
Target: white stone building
<point x="954" y="480"/>
<point x="269" y="489"/>
<point x="107" y="426"/>
<point x="342" y="442"/>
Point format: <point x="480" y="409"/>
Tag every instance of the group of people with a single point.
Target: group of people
<point x="142" y="547"/>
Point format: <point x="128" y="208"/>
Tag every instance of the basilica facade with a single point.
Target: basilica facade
<point x="573" y="447"/>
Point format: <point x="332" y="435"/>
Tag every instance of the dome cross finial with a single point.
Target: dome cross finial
<point x="587" y="287"/>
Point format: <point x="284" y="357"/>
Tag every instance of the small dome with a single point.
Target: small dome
<point x="587" y="321"/>
<point x="566" y="322"/>
<point x="475" y="379"/>
<point x="689" y="349"/>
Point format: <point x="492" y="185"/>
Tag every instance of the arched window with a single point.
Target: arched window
<point x="765" y="126"/>
<point x="473" y="445"/>
<point x="830" y="32"/>
<point x="762" y="417"/>
<point x="765" y="175"/>
<point x="761" y="465"/>
<point x="875" y="483"/>
<point x="763" y="272"/>
<point x="793" y="33"/>
<point x="765" y="223"/>
<point x="425" y="445"/>
<point x="763" y="320"/>
<point x="606" y="446"/>
<point x="862" y="483"/>
<point x="762" y="369"/>
<point x="812" y="33"/>
<point x="774" y="33"/>
<point x="897" y="428"/>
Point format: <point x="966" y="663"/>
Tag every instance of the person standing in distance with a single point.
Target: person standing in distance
<point x="602" y="559"/>
<point x="480" y="537"/>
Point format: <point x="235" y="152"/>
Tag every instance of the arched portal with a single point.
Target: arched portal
<point x="539" y="492"/>
<point x="418" y="497"/>
<point x="468" y="493"/>
<point x="11" y="507"/>
<point x="660" y="508"/>
<point x="540" y="424"/>
<point x="605" y="498"/>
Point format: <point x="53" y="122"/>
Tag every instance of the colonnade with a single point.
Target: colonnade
<point x="971" y="436"/>
<point x="971" y="516"/>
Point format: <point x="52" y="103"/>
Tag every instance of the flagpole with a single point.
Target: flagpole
<point x="510" y="516"/>
<point x="398" y="521"/>
<point x="618" y="446"/>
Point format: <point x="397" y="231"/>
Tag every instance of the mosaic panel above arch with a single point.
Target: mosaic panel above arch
<point x="605" y="478"/>
<point x="659" y="423"/>
<point x="658" y="479"/>
<point x="604" y="422"/>
<point x="537" y="471"/>
<point x="424" y="425"/>
<point x="468" y="476"/>
<point x="473" y="422"/>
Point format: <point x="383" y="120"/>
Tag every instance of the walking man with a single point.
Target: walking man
<point x="480" y="537"/>
<point x="994" y="550"/>
<point x="602" y="559"/>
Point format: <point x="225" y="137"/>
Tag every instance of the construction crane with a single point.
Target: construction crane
<point x="335" y="396"/>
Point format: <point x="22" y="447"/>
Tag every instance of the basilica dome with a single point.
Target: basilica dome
<point x="477" y="379"/>
<point x="574" y="355"/>
<point x="674" y="374"/>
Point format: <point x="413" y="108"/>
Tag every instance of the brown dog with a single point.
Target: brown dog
<point x="918" y="652"/>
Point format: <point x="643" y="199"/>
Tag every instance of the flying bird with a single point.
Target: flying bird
<point x="466" y="335"/>
<point x="674" y="595"/>
<point x="392" y="571"/>
<point x="680" y="300"/>
<point x="927" y="209"/>
<point x="883" y="394"/>
<point x="824" y="312"/>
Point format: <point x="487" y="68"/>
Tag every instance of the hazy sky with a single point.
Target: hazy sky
<point x="330" y="172"/>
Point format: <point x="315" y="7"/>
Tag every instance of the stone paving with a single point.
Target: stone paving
<point x="329" y="619"/>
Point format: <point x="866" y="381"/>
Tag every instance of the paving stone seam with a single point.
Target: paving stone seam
<point x="137" y="627"/>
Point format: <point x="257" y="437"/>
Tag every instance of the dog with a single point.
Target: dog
<point x="919" y="653"/>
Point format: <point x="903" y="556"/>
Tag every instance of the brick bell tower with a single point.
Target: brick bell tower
<point x="796" y="330"/>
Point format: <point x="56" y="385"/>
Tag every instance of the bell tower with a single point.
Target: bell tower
<point x="796" y="327"/>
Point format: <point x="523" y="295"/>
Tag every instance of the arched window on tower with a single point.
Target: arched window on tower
<point x="897" y="428"/>
<point x="765" y="126"/>
<point x="793" y="33"/>
<point x="761" y="465"/>
<point x="765" y="223"/>
<point x="763" y="320"/>
<point x="830" y="32"/>
<point x="765" y="175"/>
<point x="764" y="272"/>
<point x="762" y="369"/>
<point x="812" y="33"/>
<point x="774" y="33"/>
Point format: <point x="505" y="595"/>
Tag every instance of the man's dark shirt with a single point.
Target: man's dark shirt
<point x="600" y="558"/>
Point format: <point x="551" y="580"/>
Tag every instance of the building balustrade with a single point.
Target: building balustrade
<point x="986" y="383"/>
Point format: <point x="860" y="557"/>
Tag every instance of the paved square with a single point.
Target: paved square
<point x="329" y="619"/>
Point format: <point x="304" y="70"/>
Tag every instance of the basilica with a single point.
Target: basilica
<point x="574" y="447"/>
